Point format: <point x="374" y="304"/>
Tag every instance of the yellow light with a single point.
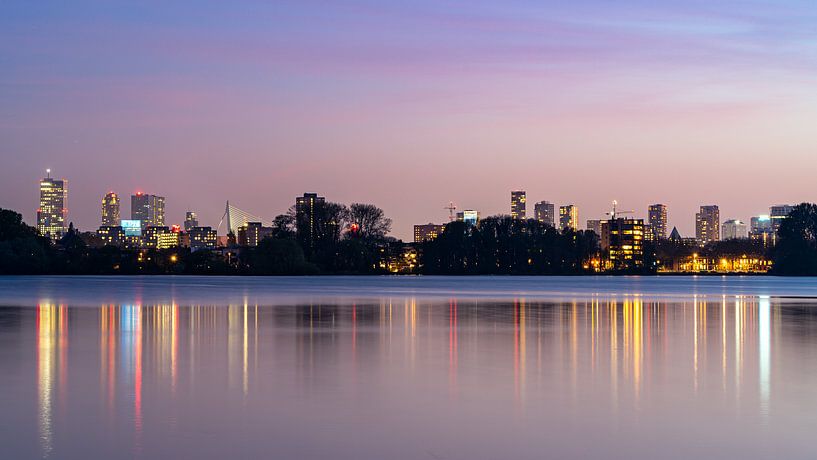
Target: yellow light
<point x="174" y="258"/>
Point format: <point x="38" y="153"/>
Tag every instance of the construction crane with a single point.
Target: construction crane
<point x="615" y="212"/>
<point x="451" y="208"/>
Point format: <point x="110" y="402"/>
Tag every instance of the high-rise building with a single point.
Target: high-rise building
<point x="734" y="229"/>
<point x="594" y="225"/>
<point x="657" y="222"/>
<point x="777" y="213"/>
<point x="622" y="239"/>
<point x="707" y="224"/>
<point x="190" y="221"/>
<point x="202" y="238"/>
<point x="52" y="215"/>
<point x="568" y="217"/>
<point x="760" y="229"/>
<point x="110" y="210"/>
<point x="469" y="216"/>
<point x="544" y="212"/>
<point x="161" y="238"/>
<point x="518" y="204"/>
<point x="427" y="232"/>
<point x="148" y="209"/>
<point x="306" y="215"/>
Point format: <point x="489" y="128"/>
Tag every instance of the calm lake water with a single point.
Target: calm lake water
<point x="407" y="368"/>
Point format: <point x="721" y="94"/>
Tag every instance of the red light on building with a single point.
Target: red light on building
<point x="175" y="228"/>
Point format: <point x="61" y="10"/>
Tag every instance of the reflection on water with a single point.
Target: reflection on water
<point x="411" y="378"/>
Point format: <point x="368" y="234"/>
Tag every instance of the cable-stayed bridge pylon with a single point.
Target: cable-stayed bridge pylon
<point x="236" y="218"/>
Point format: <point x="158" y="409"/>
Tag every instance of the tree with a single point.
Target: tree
<point x="12" y="226"/>
<point x="796" y="250"/>
<point x="283" y="226"/>
<point x="367" y="221"/>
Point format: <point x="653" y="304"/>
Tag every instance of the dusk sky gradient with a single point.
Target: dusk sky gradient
<point x="410" y="105"/>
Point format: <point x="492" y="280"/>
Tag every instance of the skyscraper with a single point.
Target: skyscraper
<point x="777" y="213"/>
<point x="707" y="225"/>
<point x="544" y="212"/>
<point x="518" y="200"/>
<point x="568" y="217"/>
<point x="657" y="221"/>
<point x="52" y="215"/>
<point x="190" y="221"/>
<point x="734" y="229"/>
<point x="306" y="217"/>
<point x="149" y="209"/>
<point x="110" y="210"/>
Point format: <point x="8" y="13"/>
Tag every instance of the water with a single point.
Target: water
<point x="439" y="368"/>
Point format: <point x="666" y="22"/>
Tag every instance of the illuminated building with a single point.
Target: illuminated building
<point x="427" y="232"/>
<point x="149" y="209"/>
<point x="594" y="225"/>
<point x="734" y="229"/>
<point x="111" y="235"/>
<point x="161" y="238"/>
<point x="568" y="217"/>
<point x="760" y="229"/>
<point x="622" y="239"/>
<point x="657" y="222"/>
<point x="252" y="233"/>
<point x="707" y="225"/>
<point x="544" y="212"/>
<point x="518" y="204"/>
<point x="777" y="213"/>
<point x="190" y="220"/>
<point x="305" y="207"/>
<point x="52" y="215"/>
<point x="202" y="238"/>
<point x="110" y="210"/>
<point x="745" y="263"/>
<point x="469" y="216"/>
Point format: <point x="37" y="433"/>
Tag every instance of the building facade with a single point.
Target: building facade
<point x="657" y="222"/>
<point x="545" y="212"/>
<point x="110" y="210"/>
<point x="568" y="217"/>
<point x="305" y="216"/>
<point x="778" y="213"/>
<point x="518" y="204"/>
<point x="202" y="238"/>
<point x="622" y="241"/>
<point x="469" y="216"/>
<point x="111" y="235"/>
<point x="252" y="233"/>
<point x="148" y="209"/>
<point x="427" y="232"/>
<point x="52" y="215"/>
<point x="707" y="225"/>
<point x="733" y="229"/>
<point x="594" y="225"/>
<point x="190" y="220"/>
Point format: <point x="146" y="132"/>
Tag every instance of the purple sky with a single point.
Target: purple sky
<point x="410" y="105"/>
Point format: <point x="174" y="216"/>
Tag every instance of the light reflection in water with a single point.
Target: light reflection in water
<point x="580" y="349"/>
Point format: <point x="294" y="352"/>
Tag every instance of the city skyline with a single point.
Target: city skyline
<point x="360" y="102"/>
<point x="776" y="212"/>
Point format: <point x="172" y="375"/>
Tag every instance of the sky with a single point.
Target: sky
<point x="411" y="105"/>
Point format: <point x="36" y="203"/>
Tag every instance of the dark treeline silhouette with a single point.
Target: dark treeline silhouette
<point x="796" y="249"/>
<point x="503" y="245"/>
<point x="337" y="239"/>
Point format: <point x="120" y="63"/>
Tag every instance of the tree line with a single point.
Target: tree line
<point x="338" y="239"/>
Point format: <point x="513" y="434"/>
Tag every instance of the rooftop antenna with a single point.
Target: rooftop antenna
<point x="48" y="173"/>
<point x="615" y="212"/>
<point x="451" y="208"/>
